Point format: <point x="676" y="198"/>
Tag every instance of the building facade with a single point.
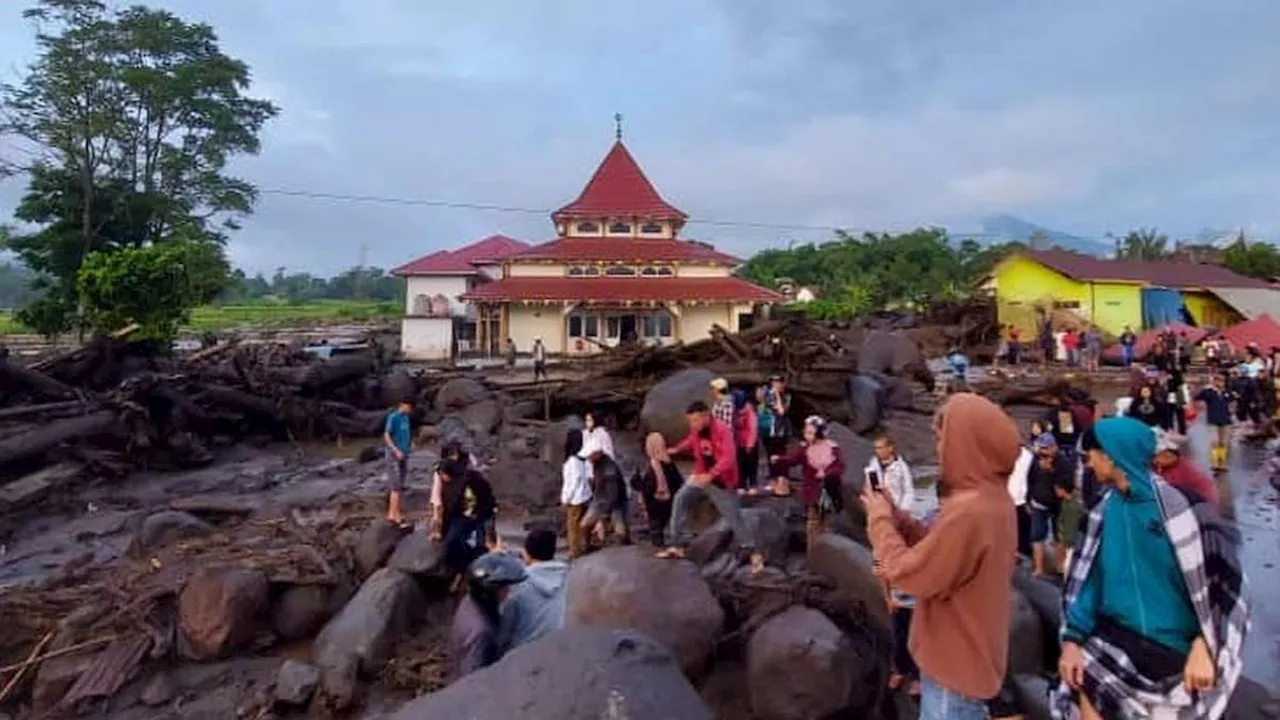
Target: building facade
<point x="1115" y="294"/>
<point x="438" y="324"/>
<point x="617" y="271"/>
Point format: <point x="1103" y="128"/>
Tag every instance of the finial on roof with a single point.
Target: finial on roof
<point x="617" y="126"/>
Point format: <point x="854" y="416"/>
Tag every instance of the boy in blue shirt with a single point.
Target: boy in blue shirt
<point x="398" y="439"/>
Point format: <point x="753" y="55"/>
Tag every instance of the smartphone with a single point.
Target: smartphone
<point x="873" y="477"/>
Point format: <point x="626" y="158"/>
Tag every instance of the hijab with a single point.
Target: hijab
<point x="978" y="443"/>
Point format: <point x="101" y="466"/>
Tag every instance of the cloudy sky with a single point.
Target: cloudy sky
<point x="1088" y="116"/>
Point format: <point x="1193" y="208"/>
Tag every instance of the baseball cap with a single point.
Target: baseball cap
<point x="1168" y="442"/>
<point x="1044" y="442"/>
<point x="720" y="384"/>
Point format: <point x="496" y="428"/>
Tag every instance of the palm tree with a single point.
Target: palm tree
<point x="1144" y="244"/>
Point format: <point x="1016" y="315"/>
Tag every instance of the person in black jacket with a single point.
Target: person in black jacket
<point x="1050" y="479"/>
<point x="1151" y="409"/>
<point x="657" y="485"/>
<point x="609" y="502"/>
<point x="468" y="509"/>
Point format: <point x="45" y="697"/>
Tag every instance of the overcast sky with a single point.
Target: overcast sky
<point x="1087" y="116"/>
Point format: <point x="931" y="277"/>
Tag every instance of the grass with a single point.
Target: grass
<point x="212" y="318"/>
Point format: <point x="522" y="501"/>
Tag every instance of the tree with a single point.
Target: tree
<point x="136" y="114"/>
<point x="152" y="285"/>
<point x="1257" y="260"/>
<point x="1145" y="244"/>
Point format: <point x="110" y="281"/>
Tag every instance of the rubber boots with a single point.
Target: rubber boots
<point x="1218" y="457"/>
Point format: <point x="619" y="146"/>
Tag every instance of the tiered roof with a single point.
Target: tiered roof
<point x="619" y="189"/>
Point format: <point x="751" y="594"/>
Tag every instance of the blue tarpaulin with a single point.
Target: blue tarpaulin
<point x="1161" y="306"/>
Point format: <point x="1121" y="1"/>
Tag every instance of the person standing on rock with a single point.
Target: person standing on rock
<point x="715" y="475"/>
<point x="894" y="473"/>
<point x="1128" y="344"/>
<point x="774" y="419"/>
<point x="575" y="493"/>
<point x="539" y="360"/>
<point x="747" y="435"/>
<point x="467" y="508"/>
<point x="657" y="485"/>
<point x="958" y="570"/>
<point x="397" y="436"/>
<point x="722" y="403"/>
<point x="609" y="508"/>
<point x="536" y="605"/>
<point x="473" y="637"/>
<point x="822" y="465"/>
<point x="1154" y="610"/>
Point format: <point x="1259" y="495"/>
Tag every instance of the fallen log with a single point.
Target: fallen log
<point x="42" y="439"/>
<point x="26" y="412"/>
<point x="17" y="376"/>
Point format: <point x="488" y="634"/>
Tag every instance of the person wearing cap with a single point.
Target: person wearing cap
<point x="774" y="421"/>
<point x="397" y="437"/>
<point x="1049" y="478"/>
<point x="722" y="403"/>
<point x="539" y="352"/>
<point x="1181" y="472"/>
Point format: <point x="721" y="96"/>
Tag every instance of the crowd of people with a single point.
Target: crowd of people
<point x="1154" y="613"/>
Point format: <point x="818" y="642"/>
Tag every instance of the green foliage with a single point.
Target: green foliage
<point x="136" y="115"/>
<point x="1257" y="259"/>
<point x="856" y="275"/>
<point x="1145" y="244"/>
<point x="154" y="286"/>
<point x="357" y="283"/>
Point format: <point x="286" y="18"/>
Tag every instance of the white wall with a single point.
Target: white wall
<point x="451" y="286"/>
<point x="423" y="338"/>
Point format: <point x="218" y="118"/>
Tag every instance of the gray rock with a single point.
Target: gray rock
<point x="553" y="438"/>
<point x="801" y="666"/>
<point x="848" y="565"/>
<point x="888" y="353"/>
<point x="167" y="526"/>
<point x="767" y="532"/>
<point x="397" y="386"/>
<point x="866" y="399"/>
<point x="571" y="674"/>
<point x="221" y="609"/>
<point x="482" y="418"/>
<point x="366" y="629"/>
<point x="665" y="403"/>
<point x="458" y="393"/>
<point x="526" y="482"/>
<point x="1026" y="637"/>
<point x="158" y="691"/>
<point x="296" y="682"/>
<point x="301" y="610"/>
<point x="627" y="588"/>
<point x="374" y="545"/>
<point x="899" y="394"/>
<point x="417" y="554"/>
<point x="1033" y="696"/>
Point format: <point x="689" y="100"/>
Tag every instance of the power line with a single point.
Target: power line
<point x="494" y="207"/>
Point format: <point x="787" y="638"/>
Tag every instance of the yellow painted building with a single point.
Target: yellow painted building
<point x="1113" y="294"/>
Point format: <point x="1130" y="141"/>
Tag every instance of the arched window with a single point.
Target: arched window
<point x="665" y="271"/>
<point x="620" y="271"/>
<point x="649" y="271"/>
<point x="421" y="305"/>
<point x="588" y="227"/>
<point x="439" y="306"/>
<point x="575" y="271"/>
<point x="619" y="228"/>
<point x="651" y="229"/>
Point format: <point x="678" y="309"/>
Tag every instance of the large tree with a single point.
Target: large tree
<point x="133" y="115"/>
<point x="1146" y="244"/>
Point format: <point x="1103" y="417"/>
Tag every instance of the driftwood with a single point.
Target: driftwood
<point x="36" y="442"/>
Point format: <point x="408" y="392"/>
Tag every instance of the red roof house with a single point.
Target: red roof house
<point x="465" y="260"/>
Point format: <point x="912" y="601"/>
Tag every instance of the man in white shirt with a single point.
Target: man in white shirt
<point x="895" y="475"/>
<point x="1018" y="493"/>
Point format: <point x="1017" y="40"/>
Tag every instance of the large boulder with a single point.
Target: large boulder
<point x="857" y="452"/>
<point x="767" y="532"/>
<point x="221" y="609"/>
<point x="301" y="610"/>
<point x="418" y="555"/>
<point x="800" y="666"/>
<point x="164" y="527"/>
<point x="554" y="436"/>
<point x="397" y="386"/>
<point x="571" y="674"/>
<point x="458" y="393"/>
<point x="374" y="545"/>
<point x="898" y="393"/>
<point x="1026" y="636"/>
<point x="453" y="428"/>
<point x="526" y="483"/>
<point x="482" y="418"/>
<point x="627" y="588"/>
<point x="866" y="398"/>
<point x="848" y="565"/>
<point x="665" y="403"/>
<point x="362" y="635"/>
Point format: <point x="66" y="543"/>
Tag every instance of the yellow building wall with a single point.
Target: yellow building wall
<point x="1115" y="306"/>
<point x="1022" y="284"/>
<point x="696" y="321"/>
<point x="527" y="322"/>
<point x="535" y="270"/>
<point x="1208" y="310"/>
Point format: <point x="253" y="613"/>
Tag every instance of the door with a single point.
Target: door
<point x="746" y="321"/>
<point x="627" y="328"/>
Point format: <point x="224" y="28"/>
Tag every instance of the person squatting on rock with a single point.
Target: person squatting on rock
<point x="468" y="510"/>
<point x="657" y="485"/>
<point x="747" y="434"/>
<point x="715" y="475"/>
<point x="473" y="637"/>
<point x="397" y="437"/>
<point x="575" y="493"/>
<point x="1154" y="610"/>
<point x="822" y="465"/>
<point x="1050" y="479"/>
<point x="536" y="605"/>
<point x="959" y="569"/>
<point x="608" y="515"/>
<point x="893" y="472"/>
<point x="774" y="418"/>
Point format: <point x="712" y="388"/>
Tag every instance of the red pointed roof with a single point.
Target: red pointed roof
<point x="619" y="188"/>
<point x="464" y="260"/>
<point x="624" y="250"/>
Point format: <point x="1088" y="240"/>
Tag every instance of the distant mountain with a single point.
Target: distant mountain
<point x="1006" y="228"/>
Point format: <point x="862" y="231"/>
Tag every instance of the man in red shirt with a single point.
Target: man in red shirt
<point x="1181" y="472"/>
<point x="715" y="475"/>
<point x="1071" y="343"/>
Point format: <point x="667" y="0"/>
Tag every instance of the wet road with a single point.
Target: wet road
<point x="1250" y="498"/>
